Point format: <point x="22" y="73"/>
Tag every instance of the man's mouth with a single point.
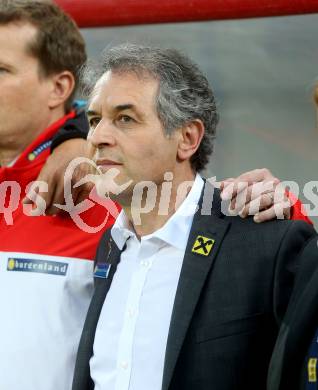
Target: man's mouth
<point x="106" y="164"/>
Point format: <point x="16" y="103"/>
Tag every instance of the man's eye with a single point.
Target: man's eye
<point x="125" y="119"/>
<point x="93" y="122"/>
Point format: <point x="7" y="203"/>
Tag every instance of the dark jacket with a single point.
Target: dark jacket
<point x="288" y="369"/>
<point x="228" y="306"/>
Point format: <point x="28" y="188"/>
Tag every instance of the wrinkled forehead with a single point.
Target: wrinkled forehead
<point x="126" y="84"/>
<point x="97" y="88"/>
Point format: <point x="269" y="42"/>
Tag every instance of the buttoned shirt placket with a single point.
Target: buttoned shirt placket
<point x="144" y="260"/>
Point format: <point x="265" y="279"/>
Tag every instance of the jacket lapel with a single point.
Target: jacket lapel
<point x="196" y="266"/>
<point x="105" y="254"/>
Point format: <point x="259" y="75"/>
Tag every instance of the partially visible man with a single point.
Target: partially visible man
<point x="45" y="262"/>
<point x="186" y="297"/>
<point x="294" y="364"/>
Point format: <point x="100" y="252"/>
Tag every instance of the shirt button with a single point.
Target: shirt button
<point x="124" y="365"/>
<point x="144" y="263"/>
<point x="131" y="313"/>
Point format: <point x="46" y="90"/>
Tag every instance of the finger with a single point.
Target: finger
<point x="244" y="192"/>
<point x="58" y="197"/>
<point x="47" y="197"/>
<point x="265" y="215"/>
<point x="35" y="208"/>
<point x="80" y="196"/>
<point x="35" y="188"/>
<point x="233" y="189"/>
<point x="262" y="198"/>
<point x="239" y="196"/>
<point x="257" y="175"/>
<point x="50" y="209"/>
<point x="225" y="183"/>
<point x="33" y="201"/>
<point x="256" y="192"/>
<point x="27" y="200"/>
<point x="76" y="195"/>
<point x="277" y="211"/>
<point x="30" y="197"/>
<point x="83" y="193"/>
<point x="254" y="207"/>
<point x="282" y="209"/>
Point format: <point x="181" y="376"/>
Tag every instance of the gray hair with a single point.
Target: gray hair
<point x="184" y="93"/>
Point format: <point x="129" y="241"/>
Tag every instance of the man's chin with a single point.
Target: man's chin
<point x="107" y="190"/>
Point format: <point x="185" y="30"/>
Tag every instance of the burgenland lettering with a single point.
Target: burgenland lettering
<point x="38" y="266"/>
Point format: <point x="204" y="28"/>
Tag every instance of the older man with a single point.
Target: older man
<point x="186" y="297"/>
<point x="45" y="262"/>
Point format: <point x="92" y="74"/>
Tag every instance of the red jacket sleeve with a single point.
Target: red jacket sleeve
<point x="298" y="211"/>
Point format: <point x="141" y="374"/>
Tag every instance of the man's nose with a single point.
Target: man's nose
<point x="101" y="135"/>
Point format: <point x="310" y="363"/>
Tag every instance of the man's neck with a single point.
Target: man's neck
<point x="160" y="209"/>
<point x="14" y="144"/>
<point x="8" y="157"/>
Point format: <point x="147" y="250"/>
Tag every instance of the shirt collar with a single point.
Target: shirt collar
<point x="175" y="231"/>
<point x="122" y="230"/>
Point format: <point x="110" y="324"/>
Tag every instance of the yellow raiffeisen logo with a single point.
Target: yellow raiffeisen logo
<point x="203" y="245"/>
<point x="312" y="370"/>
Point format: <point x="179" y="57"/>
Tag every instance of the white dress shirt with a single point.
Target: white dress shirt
<point x="132" y="331"/>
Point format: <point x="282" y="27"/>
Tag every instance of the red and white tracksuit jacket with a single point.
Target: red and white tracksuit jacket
<point x="46" y="281"/>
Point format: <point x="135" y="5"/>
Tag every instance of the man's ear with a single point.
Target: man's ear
<point x="191" y="137"/>
<point x="63" y="85"/>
